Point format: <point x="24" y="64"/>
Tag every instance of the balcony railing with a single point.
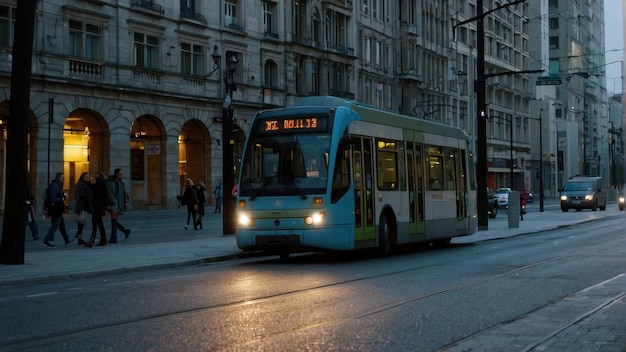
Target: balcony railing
<point x="85" y="68"/>
<point x="148" y="4"/>
<point x="143" y="76"/>
<point x="190" y="13"/>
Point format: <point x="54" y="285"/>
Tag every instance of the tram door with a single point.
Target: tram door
<point x="416" y="189"/>
<point x="363" y="189"/>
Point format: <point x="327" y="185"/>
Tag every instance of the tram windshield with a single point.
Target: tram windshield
<point x="578" y="186"/>
<point x="285" y="164"/>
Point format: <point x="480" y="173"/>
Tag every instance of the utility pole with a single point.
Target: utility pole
<point x="541" y="160"/>
<point x="481" y="110"/>
<point x="12" y="246"/>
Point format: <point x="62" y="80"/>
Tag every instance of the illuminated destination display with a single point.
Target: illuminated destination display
<point x="312" y="123"/>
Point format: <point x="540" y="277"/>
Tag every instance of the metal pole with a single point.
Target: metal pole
<point x="227" y="158"/>
<point x="50" y="121"/>
<point x="511" y="172"/>
<point x="540" y="161"/>
<point x="481" y="117"/>
<point x="481" y="109"/>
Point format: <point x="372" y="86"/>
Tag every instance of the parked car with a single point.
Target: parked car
<point x="503" y="197"/>
<point x="621" y="198"/>
<point x="492" y="208"/>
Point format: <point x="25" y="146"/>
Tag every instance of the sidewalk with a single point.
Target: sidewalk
<point x="592" y="319"/>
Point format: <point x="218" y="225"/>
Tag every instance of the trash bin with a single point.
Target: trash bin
<point x="513" y="213"/>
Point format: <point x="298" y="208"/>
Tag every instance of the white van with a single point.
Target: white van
<point x="583" y="192"/>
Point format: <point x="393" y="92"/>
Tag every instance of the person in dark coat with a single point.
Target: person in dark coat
<point x="201" y="198"/>
<point x="119" y="199"/>
<point x="100" y="192"/>
<point x="56" y="196"/>
<point x="189" y="198"/>
<point x="83" y="202"/>
<point x="218" y="192"/>
<point x="30" y="215"/>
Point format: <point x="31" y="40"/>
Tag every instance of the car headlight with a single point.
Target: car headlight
<point x="563" y="197"/>
<point x="621" y="199"/>
<point x="589" y="197"/>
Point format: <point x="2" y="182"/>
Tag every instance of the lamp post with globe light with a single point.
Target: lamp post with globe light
<point x="228" y="177"/>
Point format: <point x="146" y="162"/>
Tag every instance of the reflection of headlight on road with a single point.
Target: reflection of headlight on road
<point x="314" y="219"/>
<point x="244" y="220"/>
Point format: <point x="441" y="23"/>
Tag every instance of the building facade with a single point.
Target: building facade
<point x="139" y="84"/>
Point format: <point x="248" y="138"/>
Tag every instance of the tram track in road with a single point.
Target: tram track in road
<point x="147" y="320"/>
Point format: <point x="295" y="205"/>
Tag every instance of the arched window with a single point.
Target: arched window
<point x="270" y="79"/>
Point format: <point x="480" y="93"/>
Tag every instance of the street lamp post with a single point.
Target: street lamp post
<point x="228" y="177"/>
<point x="228" y="213"/>
<point x="540" y="160"/>
<point x="481" y="108"/>
<point x="511" y="170"/>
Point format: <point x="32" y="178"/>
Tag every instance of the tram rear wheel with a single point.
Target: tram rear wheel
<point x="384" y="247"/>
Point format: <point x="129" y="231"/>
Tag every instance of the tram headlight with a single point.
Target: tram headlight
<point x="245" y="220"/>
<point x="314" y="219"/>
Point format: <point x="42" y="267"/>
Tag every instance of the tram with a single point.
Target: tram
<point x="333" y="175"/>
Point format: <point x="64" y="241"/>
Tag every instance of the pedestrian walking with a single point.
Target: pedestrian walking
<point x="189" y="199"/>
<point x="218" y="192"/>
<point x="118" y="199"/>
<point x="30" y="215"/>
<point x="56" y="208"/>
<point x="100" y="192"/>
<point x="83" y="202"/>
<point x="201" y="199"/>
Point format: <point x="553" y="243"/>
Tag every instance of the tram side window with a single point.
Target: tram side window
<point x="341" y="172"/>
<point x="387" y="165"/>
<point x="450" y="169"/>
<point x="435" y="168"/>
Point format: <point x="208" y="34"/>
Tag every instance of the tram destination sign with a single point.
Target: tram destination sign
<point x="294" y="124"/>
<point x="549" y="81"/>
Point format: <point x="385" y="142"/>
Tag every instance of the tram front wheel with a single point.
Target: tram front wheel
<point x="384" y="247"/>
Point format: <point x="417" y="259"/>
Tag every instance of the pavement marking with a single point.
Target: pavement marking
<point x="43" y="294"/>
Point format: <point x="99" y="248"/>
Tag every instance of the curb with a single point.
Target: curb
<point x="125" y="270"/>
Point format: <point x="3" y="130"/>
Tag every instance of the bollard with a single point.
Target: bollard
<point x="513" y="213"/>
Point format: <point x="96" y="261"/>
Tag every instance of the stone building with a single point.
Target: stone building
<point x="133" y="84"/>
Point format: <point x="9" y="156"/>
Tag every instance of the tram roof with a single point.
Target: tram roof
<point x="383" y="117"/>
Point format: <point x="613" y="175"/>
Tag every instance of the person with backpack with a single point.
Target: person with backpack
<point x="56" y="208"/>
